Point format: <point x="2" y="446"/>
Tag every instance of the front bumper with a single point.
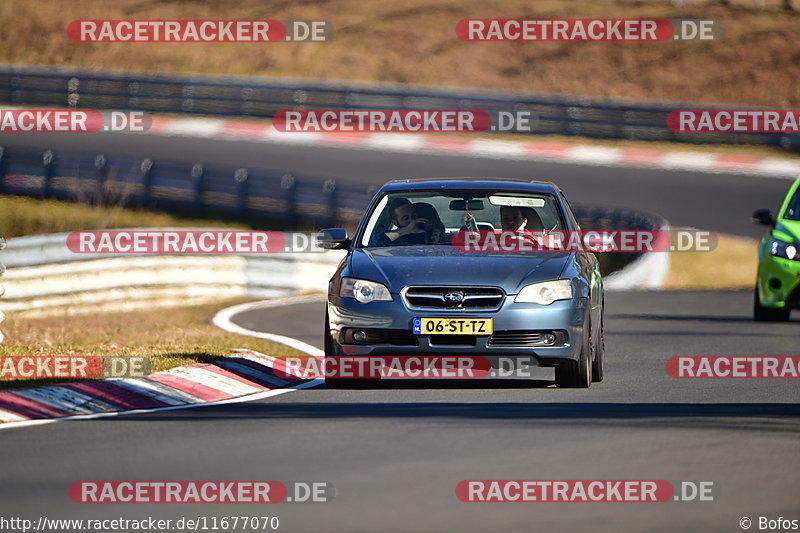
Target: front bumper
<point x="779" y="282"/>
<point x="565" y="316"/>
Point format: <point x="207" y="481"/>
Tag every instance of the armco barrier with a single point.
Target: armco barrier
<point x="43" y="273"/>
<point x="296" y="202"/>
<point x="205" y="190"/>
<point x="263" y="97"/>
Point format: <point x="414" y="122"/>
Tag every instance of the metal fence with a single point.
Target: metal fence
<point x="203" y="190"/>
<point x="263" y="97"/>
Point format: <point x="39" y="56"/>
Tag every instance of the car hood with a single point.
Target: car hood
<point x="788" y="230"/>
<point x="399" y="266"/>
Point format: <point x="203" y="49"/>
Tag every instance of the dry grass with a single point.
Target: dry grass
<point x="29" y="216"/>
<point x="756" y="62"/>
<point x="732" y="265"/>
<point x="170" y="337"/>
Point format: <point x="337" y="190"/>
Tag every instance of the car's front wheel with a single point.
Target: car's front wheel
<point x="769" y="314"/>
<point x="599" y="362"/>
<point x="578" y="374"/>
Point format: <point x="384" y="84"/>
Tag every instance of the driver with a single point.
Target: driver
<point x="512" y="218"/>
<point x="409" y="228"/>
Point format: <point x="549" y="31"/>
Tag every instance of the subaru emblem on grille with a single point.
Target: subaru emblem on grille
<point x="454" y="297"/>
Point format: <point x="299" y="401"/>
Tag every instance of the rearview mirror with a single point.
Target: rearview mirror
<point x="462" y="205"/>
<point x="333" y="239"/>
<point x="762" y="216"/>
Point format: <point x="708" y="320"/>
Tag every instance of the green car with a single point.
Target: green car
<point x="778" y="283"/>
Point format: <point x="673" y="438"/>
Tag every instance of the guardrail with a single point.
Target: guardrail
<point x="43" y="273"/>
<point x="290" y="201"/>
<point x="203" y="189"/>
<point x="263" y="97"/>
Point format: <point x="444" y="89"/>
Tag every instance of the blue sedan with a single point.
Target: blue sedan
<point x="408" y="285"/>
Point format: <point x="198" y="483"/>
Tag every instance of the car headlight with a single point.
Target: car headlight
<point x="546" y="292"/>
<point x="783" y="249"/>
<point x="364" y="291"/>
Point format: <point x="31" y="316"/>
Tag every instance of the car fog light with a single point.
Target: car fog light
<point x="548" y="338"/>
<point x="360" y="336"/>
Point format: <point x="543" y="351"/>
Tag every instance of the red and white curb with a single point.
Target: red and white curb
<point x="483" y="148"/>
<point x="243" y="376"/>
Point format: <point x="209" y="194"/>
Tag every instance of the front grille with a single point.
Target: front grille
<point x="524" y="338"/>
<point x="470" y="298"/>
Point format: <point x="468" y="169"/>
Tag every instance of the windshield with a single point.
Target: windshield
<point x="432" y="217"/>
<point x="793" y="209"/>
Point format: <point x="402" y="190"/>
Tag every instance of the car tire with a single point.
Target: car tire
<point x="578" y="374"/>
<point x="768" y="314"/>
<point x="599" y="362"/>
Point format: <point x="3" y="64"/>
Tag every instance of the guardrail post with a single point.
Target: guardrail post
<point x="100" y="176"/>
<point x="100" y="179"/>
<point x="2" y="288"/>
<point x="187" y="101"/>
<point x="288" y="183"/>
<point x="146" y="166"/>
<point x="2" y="167"/>
<point x="73" y="97"/>
<point x="240" y="177"/>
<point x="246" y="105"/>
<point x="197" y="175"/>
<point x="329" y="191"/>
<point x="47" y="184"/>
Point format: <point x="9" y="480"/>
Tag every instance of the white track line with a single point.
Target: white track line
<point x="222" y="320"/>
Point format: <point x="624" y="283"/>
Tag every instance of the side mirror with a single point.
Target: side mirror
<point x="762" y="216"/>
<point x="333" y="239"/>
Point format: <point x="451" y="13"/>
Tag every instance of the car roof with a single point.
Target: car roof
<point x="471" y="183"/>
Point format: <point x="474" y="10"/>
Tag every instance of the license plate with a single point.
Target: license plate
<point x="453" y="326"/>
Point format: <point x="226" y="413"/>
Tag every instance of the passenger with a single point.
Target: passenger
<point x="534" y="223"/>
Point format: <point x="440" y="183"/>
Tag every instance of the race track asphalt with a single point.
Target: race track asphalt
<point x="395" y="453"/>
<point x="716" y="202"/>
